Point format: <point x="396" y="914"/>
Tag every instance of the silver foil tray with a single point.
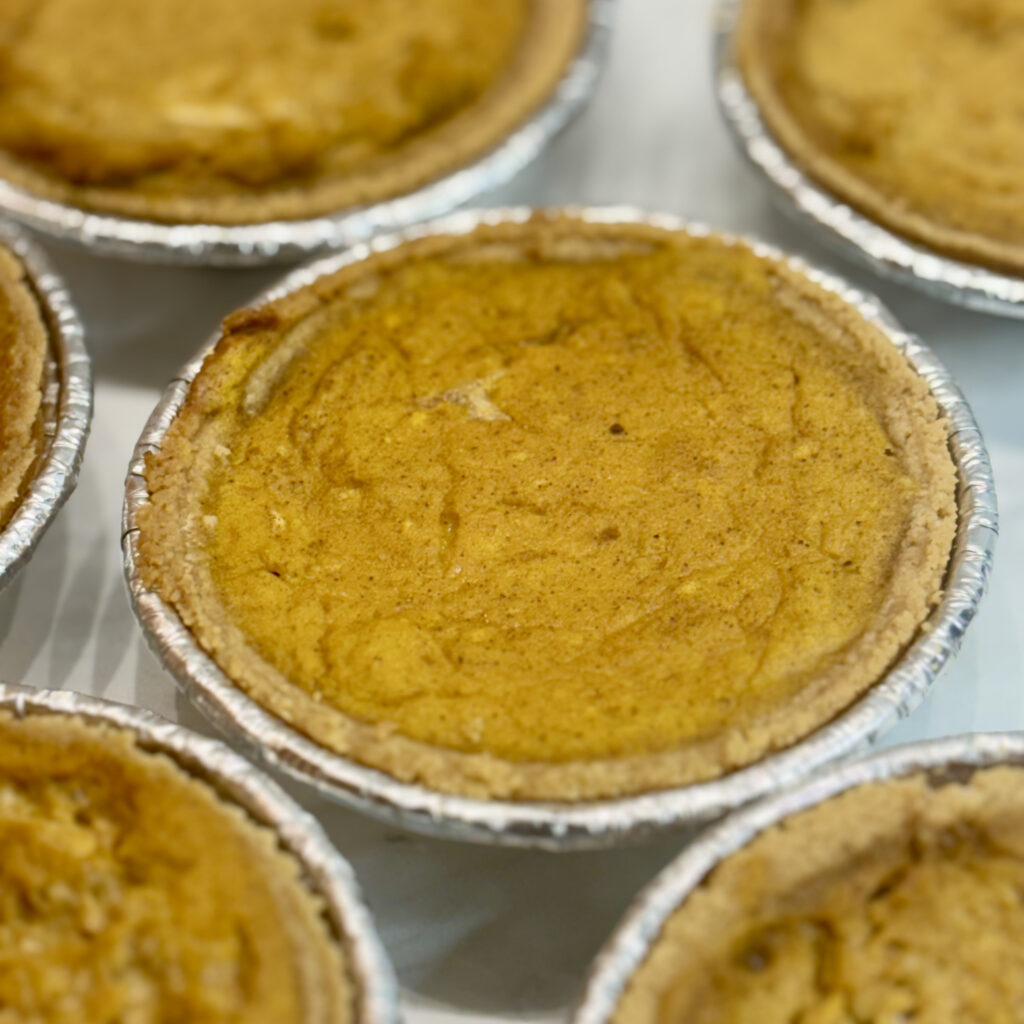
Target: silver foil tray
<point x="603" y="822"/>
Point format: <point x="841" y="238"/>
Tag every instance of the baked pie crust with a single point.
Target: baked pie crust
<point x="555" y="510"/>
<point x="23" y="368"/>
<point x="215" y="111"/>
<point x="133" y="892"/>
<point x="892" y="901"/>
<point x="909" y="110"/>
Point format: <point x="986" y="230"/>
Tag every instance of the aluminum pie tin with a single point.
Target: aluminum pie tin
<point x="285" y="241"/>
<point x="325" y="872"/>
<point x="555" y="825"/>
<point x="838" y="224"/>
<point x="66" y="410"/>
<point x="639" y="930"/>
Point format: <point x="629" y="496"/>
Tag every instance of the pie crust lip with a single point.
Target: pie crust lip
<point x="952" y="759"/>
<point x="66" y="408"/>
<point x="289" y="240"/>
<point x="603" y="822"/>
<point x="326" y="874"/>
<point x="837" y="223"/>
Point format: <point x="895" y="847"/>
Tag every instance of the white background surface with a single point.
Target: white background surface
<point x="480" y="934"/>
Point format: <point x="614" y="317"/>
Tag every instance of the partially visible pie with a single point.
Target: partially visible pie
<point x="232" y="112"/>
<point x="130" y="891"/>
<point x="910" y="110"/>
<point x="23" y="359"/>
<point x="553" y="510"/>
<point x="896" y="901"/>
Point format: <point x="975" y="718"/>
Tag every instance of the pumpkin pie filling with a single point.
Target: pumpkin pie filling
<point x="212" y="110"/>
<point x="23" y="359"/>
<point x="554" y="510"/>
<point x="896" y="901"/>
<point x="909" y="109"/>
<point x="131" y="892"/>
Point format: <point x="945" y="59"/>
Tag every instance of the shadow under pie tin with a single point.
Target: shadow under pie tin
<point x="604" y="822"/>
<point x="282" y="241"/>
<point x="324" y="871"/>
<point x="955" y="758"/>
<point x="838" y="224"/>
<point x="66" y="410"/>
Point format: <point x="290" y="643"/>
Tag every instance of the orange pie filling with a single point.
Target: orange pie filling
<point x="598" y="499"/>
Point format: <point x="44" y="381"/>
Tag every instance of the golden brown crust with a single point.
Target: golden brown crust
<point x="551" y="40"/>
<point x="892" y="899"/>
<point x="23" y="363"/>
<point x="149" y="890"/>
<point x="957" y="194"/>
<point x="172" y="538"/>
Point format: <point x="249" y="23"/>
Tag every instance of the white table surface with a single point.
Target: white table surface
<point x="479" y="934"/>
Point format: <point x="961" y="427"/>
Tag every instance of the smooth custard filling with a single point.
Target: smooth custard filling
<point x="128" y="892"/>
<point x="922" y="100"/>
<point x="213" y="97"/>
<point x="918" y="920"/>
<point x="560" y="507"/>
<point x="22" y="363"/>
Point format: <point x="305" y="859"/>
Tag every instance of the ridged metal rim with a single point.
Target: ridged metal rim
<point x="841" y="226"/>
<point x="553" y="825"/>
<point x="290" y="240"/>
<point x="326" y="873"/>
<point x="633" y="939"/>
<point x="67" y="413"/>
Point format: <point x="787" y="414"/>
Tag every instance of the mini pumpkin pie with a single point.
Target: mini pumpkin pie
<point x="131" y="892"/>
<point x="552" y="510"/>
<point x="23" y="368"/>
<point x="894" y="901"/>
<point x="909" y="110"/>
<point x="225" y="112"/>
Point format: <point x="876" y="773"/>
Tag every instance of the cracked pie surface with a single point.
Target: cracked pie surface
<point x="555" y="510"/>
<point x="895" y="901"/>
<point x="23" y="368"/>
<point x="132" y="892"/>
<point x="910" y="110"/>
<point x="224" y="112"/>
